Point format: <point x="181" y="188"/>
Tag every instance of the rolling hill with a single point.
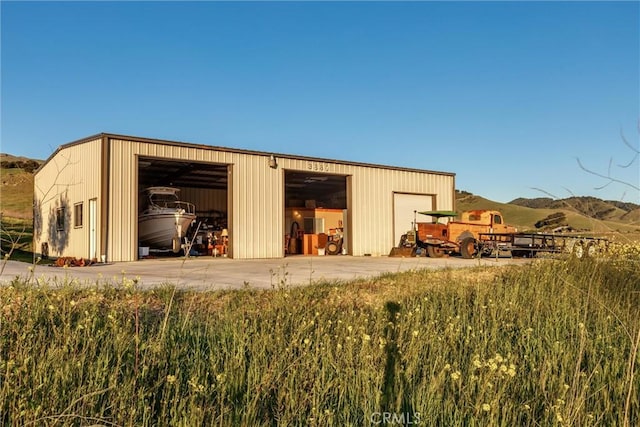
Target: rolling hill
<point x="525" y="213"/>
<point x="583" y="213"/>
<point x="16" y="185"/>
<point x="588" y="206"/>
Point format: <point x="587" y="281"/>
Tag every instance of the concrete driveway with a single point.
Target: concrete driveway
<point x="206" y="273"/>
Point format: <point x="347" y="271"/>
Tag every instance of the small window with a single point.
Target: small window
<point x="77" y="215"/>
<point x="497" y="219"/>
<point x="60" y="219"/>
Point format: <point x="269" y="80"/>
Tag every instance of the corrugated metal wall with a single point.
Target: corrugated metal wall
<point x="70" y="177"/>
<point x="371" y="201"/>
<point x="257" y="193"/>
<point x="205" y="200"/>
<point x="255" y="201"/>
<point x="372" y="204"/>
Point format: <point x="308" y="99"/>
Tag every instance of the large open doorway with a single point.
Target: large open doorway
<point x="191" y="208"/>
<point x="316" y="213"/>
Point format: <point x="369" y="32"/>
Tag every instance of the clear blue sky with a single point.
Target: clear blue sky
<point x="505" y="94"/>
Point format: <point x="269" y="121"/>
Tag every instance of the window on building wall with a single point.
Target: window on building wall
<point x="60" y="219"/>
<point x="77" y="215"/>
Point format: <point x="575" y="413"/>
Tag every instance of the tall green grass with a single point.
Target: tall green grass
<point x="16" y="238"/>
<point x="550" y="343"/>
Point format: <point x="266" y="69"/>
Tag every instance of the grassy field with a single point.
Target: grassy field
<point x="525" y="218"/>
<point x="16" y="216"/>
<point x="550" y="343"/>
<point x="16" y="238"/>
<point x="16" y="191"/>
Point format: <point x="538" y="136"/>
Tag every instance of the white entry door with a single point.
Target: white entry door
<point x="404" y="205"/>
<point x="93" y="233"/>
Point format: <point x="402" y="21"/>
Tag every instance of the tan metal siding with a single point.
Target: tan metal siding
<point x="257" y="194"/>
<point x="255" y="201"/>
<point x="258" y="214"/>
<point x="71" y="176"/>
<point x="371" y="201"/>
<point x="372" y="204"/>
<point x="205" y="200"/>
<point x="123" y="208"/>
<point x="257" y="197"/>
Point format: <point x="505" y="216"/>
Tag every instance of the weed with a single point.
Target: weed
<point x="552" y="342"/>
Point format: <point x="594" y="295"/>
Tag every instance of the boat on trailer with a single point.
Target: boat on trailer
<point x="165" y="220"/>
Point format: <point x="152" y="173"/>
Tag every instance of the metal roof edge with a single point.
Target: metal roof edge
<point x="242" y="151"/>
<point x="67" y="145"/>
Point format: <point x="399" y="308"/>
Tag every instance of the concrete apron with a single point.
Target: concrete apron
<point x="206" y="273"/>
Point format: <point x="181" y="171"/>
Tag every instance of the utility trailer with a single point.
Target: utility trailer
<point x="484" y="232"/>
<point x="531" y="244"/>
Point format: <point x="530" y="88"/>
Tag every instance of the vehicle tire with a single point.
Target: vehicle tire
<point x="468" y="247"/>
<point x="521" y="253"/>
<point x="434" y="251"/>
<point x="592" y="249"/>
<point x="578" y="250"/>
<point x="333" y="248"/>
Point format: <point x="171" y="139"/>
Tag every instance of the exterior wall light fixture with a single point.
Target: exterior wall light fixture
<point x="273" y="164"/>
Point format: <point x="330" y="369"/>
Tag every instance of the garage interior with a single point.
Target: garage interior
<point x="316" y="207"/>
<point x="316" y="212"/>
<point x="203" y="184"/>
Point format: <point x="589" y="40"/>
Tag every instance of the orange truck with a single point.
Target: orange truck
<point x="461" y="236"/>
<point x="484" y="232"/>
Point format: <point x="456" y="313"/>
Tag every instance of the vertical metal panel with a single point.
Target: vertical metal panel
<point x="255" y="200"/>
<point x="230" y="208"/>
<point x="370" y="198"/>
<point x="257" y="194"/>
<point x="123" y="208"/>
<point x="205" y="199"/>
<point x="72" y="176"/>
<point x="372" y="206"/>
<point x="258" y="214"/>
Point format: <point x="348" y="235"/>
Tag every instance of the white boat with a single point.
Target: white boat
<point x="165" y="220"/>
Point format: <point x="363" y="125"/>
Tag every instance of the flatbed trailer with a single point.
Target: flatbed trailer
<point x="531" y="244"/>
<point x="484" y="232"/>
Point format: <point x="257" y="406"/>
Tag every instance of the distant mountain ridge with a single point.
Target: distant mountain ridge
<point x="540" y="214"/>
<point x="586" y="205"/>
